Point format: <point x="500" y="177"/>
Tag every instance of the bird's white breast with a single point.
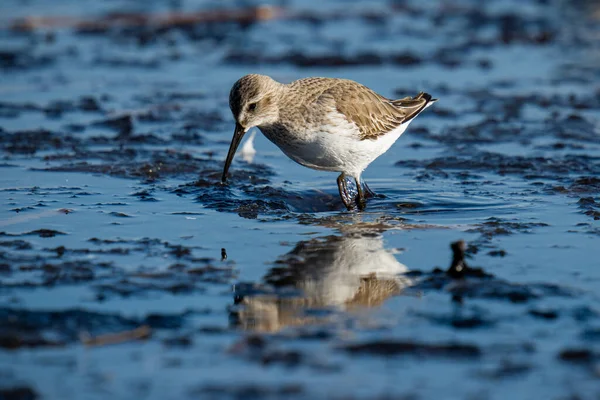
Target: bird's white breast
<point x="335" y="146"/>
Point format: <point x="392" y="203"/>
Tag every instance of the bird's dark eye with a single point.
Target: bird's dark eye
<point x="252" y="107"/>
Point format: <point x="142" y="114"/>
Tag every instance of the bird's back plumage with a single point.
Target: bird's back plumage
<point x="374" y="115"/>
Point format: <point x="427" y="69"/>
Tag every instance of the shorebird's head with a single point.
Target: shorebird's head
<point x="253" y="102"/>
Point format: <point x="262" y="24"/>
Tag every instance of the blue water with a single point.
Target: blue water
<point x="153" y="246"/>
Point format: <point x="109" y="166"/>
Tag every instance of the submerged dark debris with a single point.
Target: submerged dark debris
<point x="464" y="282"/>
<point x="18" y="393"/>
<point x="399" y="348"/>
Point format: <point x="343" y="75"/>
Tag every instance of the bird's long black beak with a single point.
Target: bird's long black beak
<point x="238" y="134"/>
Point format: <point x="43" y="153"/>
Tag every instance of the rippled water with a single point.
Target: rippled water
<point x="127" y="269"/>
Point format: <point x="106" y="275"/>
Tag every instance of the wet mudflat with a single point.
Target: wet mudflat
<point x="127" y="270"/>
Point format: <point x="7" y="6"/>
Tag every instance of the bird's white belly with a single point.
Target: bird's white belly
<point x="335" y="148"/>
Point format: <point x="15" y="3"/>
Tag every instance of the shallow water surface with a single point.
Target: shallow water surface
<point x="128" y="270"/>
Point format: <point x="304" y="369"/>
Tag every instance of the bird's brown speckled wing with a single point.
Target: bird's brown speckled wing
<point x="374" y="115"/>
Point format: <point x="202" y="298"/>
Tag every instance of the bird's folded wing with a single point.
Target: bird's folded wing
<point x="374" y="115"/>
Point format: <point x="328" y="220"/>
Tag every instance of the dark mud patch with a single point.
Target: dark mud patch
<point x="123" y="125"/>
<point x="188" y="274"/>
<point x="68" y="272"/>
<point x="508" y="29"/>
<point x="266" y="352"/>
<point x="586" y="186"/>
<point x="26" y="328"/>
<point x="408" y="348"/>
<point x="589" y="207"/>
<point x="249" y="195"/>
<point x="21" y="59"/>
<point x="582" y="185"/>
<point x="28" y="265"/>
<point x="124" y="130"/>
<point x="248" y="391"/>
<point x="504" y="120"/>
<point x="43" y="233"/>
<point x="493" y="227"/>
<point x="16" y="244"/>
<point x="582" y="357"/>
<point x="528" y="167"/>
<point x="335" y="59"/>
<point x="179" y="278"/>
<point x="506" y="291"/>
<point x="465" y="319"/>
<point x="30" y="142"/>
<point x="145" y="165"/>
<point x="55" y="108"/>
<point x="18" y="393"/>
<point x="577" y="355"/>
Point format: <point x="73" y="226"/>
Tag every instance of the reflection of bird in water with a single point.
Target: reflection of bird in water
<point x="345" y="272"/>
<point x="248" y="150"/>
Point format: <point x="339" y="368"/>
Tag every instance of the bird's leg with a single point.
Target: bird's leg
<point x="343" y="188"/>
<point x="368" y="192"/>
<point x="361" y="202"/>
